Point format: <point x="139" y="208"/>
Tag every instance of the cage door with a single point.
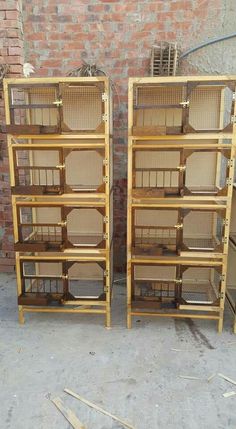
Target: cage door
<point x="82" y="108"/>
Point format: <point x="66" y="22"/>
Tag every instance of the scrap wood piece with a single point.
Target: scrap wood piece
<point x="211" y="377"/>
<point x="229" y="394"/>
<point x="97" y="408"/>
<point x="68" y="414"/>
<point x="190" y="377"/>
<point x="227" y="378"/>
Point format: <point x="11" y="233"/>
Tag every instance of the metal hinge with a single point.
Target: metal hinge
<point x="105" y="273"/>
<point x="224" y="240"/>
<point x="105" y="161"/>
<point x="58" y="103"/>
<point x="233" y="119"/>
<point x="105" y="179"/>
<point x="234" y="96"/>
<point x="105" y="117"/>
<point x="226" y="222"/>
<point x="64" y="223"/>
<point x="229" y="181"/>
<point x="221" y="295"/>
<point x="184" y="104"/>
<point x="60" y="167"/>
<point x="222" y="277"/>
<point x="181" y="167"/>
<point x="230" y="162"/>
<point x="179" y="226"/>
<point x="104" y="96"/>
<point x="105" y="236"/>
<point x="105" y="219"/>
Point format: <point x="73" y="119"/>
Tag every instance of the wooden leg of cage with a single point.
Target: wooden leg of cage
<point x="21" y="315"/>
<point x="129" y="318"/>
<point x="220" y="325"/>
<point x="108" y="316"/>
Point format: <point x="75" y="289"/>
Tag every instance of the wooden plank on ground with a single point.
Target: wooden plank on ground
<point x="68" y="414"/>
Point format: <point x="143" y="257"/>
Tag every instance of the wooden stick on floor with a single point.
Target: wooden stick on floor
<point x="97" y="408"/>
<point x="68" y="414"/>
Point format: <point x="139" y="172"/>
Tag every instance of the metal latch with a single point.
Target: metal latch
<point x="181" y="167"/>
<point x="64" y="277"/>
<point x="60" y="167"/>
<point x="58" y="103"/>
<point x="184" y="104"/>
<point x="178" y="281"/>
<point x="104" y="96"/>
<point x="63" y="223"/>
<point x="179" y="226"/>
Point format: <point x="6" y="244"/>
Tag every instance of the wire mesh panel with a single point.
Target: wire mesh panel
<point x="86" y="281"/>
<point x="211" y="106"/>
<point x="43" y="283"/>
<point x="82" y="107"/>
<point x="158" y="109"/>
<point x="33" y="108"/>
<point x="155" y="286"/>
<point x="201" y="285"/>
<point x="37" y="172"/>
<point x="157" y="173"/>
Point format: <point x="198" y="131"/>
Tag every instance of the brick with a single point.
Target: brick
<point x="12" y="14"/>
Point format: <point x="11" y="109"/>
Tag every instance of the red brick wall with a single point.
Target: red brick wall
<point x="11" y="53"/>
<point x="117" y="36"/>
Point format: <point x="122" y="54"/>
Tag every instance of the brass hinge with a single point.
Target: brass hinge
<point x="224" y="240"/>
<point x="105" y="273"/>
<point x="64" y="277"/>
<point x="179" y="226"/>
<point x="105" y="219"/>
<point x="63" y="223"/>
<point x="181" y="167"/>
<point x="58" y="103"/>
<point x="105" y="117"/>
<point x="230" y="162"/>
<point x="105" y="179"/>
<point x="229" y="181"/>
<point x="60" y="167"/>
<point x="106" y="289"/>
<point x="233" y="119"/>
<point x="221" y="295"/>
<point x="105" y="161"/>
<point x="105" y="236"/>
<point x="178" y="281"/>
<point x="222" y="277"/>
<point x="104" y="96"/>
<point x="184" y="104"/>
<point x="226" y="222"/>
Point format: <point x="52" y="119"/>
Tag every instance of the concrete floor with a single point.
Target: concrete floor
<point x="133" y="374"/>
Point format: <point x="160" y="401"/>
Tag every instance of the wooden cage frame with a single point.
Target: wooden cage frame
<point x="43" y="140"/>
<point x="188" y="140"/>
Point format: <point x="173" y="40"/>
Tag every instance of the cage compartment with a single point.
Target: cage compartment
<point x="177" y="108"/>
<point x="165" y="231"/>
<point x="175" y="287"/>
<point x="52" y="108"/>
<point x="54" y="171"/>
<point x="33" y="108"/>
<point x="175" y="172"/>
<point x="56" y="228"/>
<point x="45" y="283"/>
